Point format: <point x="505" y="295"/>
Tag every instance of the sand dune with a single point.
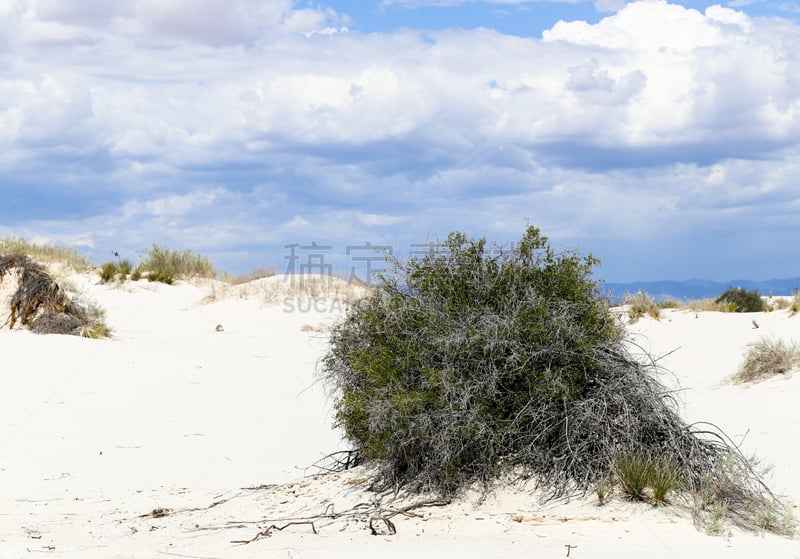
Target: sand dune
<point x="176" y="439"/>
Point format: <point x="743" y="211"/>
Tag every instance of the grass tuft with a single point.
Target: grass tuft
<point x="640" y="305"/>
<point x="167" y="266"/>
<point x="634" y="470"/>
<point x="45" y="253"/>
<point x="766" y="358"/>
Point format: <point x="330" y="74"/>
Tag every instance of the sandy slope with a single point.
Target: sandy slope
<point x="173" y="414"/>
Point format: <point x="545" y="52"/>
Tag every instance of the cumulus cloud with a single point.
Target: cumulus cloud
<point x="192" y="116"/>
<point x="416" y="3"/>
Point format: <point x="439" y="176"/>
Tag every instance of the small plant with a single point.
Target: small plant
<point x="641" y="304"/>
<point x="794" y="304"/>
<point x="670" y="304"/>
<point x="741" y="300"/>
<point x="634" y="471"/>
<point x="108" y="271"/>
<point x="666" y="477"/>
<point x="124" y="269"/>
<point x="768" y="357"/>
<point x="603" y="491"/>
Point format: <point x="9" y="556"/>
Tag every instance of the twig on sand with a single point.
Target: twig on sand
<point x="268" y="531"/>
<point x="372" y="511"/>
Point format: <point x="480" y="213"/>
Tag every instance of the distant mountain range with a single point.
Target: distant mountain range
<point x="698" y="288"/>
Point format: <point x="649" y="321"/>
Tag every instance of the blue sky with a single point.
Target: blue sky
<point x="664" y="138"/>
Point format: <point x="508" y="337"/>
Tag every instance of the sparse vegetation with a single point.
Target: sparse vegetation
<point x="256" y="274"/>
<point x="641" y="304"/>
<point x="116" y="271"/>
<point x="166" y="265"/>
<point x="741" y="300"/>
<point x="671" y="304"/>
<point x="727" y="496"/>
<point x="45" y="253"/>
<point x="42" y="304"/>
<point x="766" y="358"/>
<point x="709" y="305"/>
<point x="470" y="362"/>
<point x="791" y="303"/>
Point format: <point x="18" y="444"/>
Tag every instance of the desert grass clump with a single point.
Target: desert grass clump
<point x="641" y="304"/>
<point x="473" y="362"/>
<point x="671" y="304"/>
<point x="666" y="477"/>
<point x="644" y="476"/>
<point x="709" y="305"/>
<point x="766" y="358"/>
<point x="43" y="305"/>
<point x="45" y="253"/>
<point x="634" y="471"/>
<point x="166" y="265"/>
<point x="741" y="300"/>
<point x="115" y="271"/>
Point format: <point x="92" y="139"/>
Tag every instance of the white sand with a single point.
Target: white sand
<point x="172" y="414"/>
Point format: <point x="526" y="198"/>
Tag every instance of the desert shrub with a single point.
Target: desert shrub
<point x="474" y="361"/>
<point x="48" y="253"/>
<point x="166" y="265"/>
<point x="741" y="300"/>
<point x="40" y="303"/>
<point x="767" y="357"/>
<point x="455" y="363"/>
<point x="641" y="304"/>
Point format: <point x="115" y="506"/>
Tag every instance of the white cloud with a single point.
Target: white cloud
<point x="676" y="114"/>
<point x="417" y="3"/>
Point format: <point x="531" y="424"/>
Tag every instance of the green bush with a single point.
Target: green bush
<point x="452" y="365"/>
<point x="165" y="265"/>
<point x="741" y="300"/>
<point x="475" y="361"/>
